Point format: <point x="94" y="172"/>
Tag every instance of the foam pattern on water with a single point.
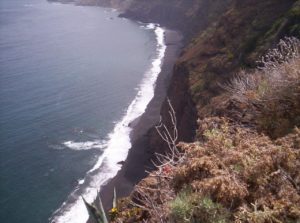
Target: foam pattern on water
<point x="97" y="144"/>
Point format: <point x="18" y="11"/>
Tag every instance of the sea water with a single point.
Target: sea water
<point x="72" y="79"/>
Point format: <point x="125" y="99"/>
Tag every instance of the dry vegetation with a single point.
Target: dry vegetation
<point x="232" y="173"/>
<point x="256" y="179"/>
<point x="272" y="91"/>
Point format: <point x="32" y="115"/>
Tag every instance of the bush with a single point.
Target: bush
<point x="182" y="207"/>
<point x="257" y="178"/>
<point x="210" y="212"/>
<point x="273" y="89"/>
<point x="190" y="207"/>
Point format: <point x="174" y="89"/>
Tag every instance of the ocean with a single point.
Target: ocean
<point x="72" y="79"/>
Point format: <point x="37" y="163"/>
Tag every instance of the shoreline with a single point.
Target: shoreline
<point x="133" y="168"/>
<point x="138" y="159"/>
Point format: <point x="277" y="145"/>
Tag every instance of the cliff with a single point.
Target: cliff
<point x="190" y="18"/>
<point x="242" y="164"/>
<point x="222" y="37"/>
<point x="242" y="34"/>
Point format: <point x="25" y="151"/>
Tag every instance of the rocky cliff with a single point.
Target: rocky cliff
<point x="191" y="18"/>
<point x="222" y="37"/>
<point x="243" y="165"/>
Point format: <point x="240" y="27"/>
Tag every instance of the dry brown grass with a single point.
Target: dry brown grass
<point x="277" y="70"/>
<point x="234" y="175"/>
<point x="257" y="179"/>
<point x="272" y="90"/>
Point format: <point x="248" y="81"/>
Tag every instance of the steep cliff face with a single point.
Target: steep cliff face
<point x="191" y="18"/>
<point x="239" y="37"/>
<point x="184" y="107"/>
<point x="223" y="37"/>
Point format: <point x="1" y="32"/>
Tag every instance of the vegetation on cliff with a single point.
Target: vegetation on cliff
<point x="241" y="35"/>
<point x="270" y="94"/>
<point x="231" y="173"/>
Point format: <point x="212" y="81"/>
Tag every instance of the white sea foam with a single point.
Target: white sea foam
<point x="117" y="147"/>
<point x="80" y="181"/>
<point x="85" y="145"/>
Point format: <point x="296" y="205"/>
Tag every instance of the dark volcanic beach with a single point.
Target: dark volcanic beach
<point x="139" y="156"/>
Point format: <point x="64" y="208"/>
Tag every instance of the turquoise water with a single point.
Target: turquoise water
<point x="67" y="76"/>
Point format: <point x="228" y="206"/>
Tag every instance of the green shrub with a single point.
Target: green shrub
<point x="192" y="207"/>
<point x="210" y="212"/>
<point x="182" y="207"/>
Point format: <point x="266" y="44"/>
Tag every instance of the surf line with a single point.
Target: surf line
<point x="117" y="145"/>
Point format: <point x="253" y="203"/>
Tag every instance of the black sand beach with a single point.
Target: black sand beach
<point x="138" y="160"/>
